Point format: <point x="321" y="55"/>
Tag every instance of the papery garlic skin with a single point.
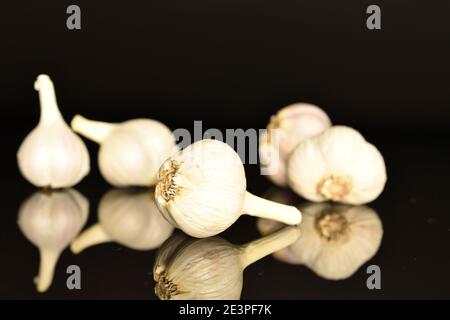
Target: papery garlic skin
<point x="129" y="217"/>
<point x="202" y="191"/>
<point x="52" y="155"/>
<point x="212" y="268"/>
<point x="287" y="128"/>
<point x="336" y="239"/>
<point x="50" y="220"/>
<point x="130" y="152"/>
<point x="338" y="165"/>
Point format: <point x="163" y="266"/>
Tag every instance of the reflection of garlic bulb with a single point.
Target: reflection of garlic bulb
<point x="337" y="165"/>
<point x="336" y="239"/>
<point x="202" y="190"/>
<point x="129" y="217"/>
<point x="52" y="155"/>
<point x="130" y="152"/>
<point x="210" y="268"/>
<point x="50" y="221"/>
<point x="286" y="129"/>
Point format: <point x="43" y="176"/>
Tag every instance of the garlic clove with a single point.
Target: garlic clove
<point x="50" y="220"/>
<point x="336" y="239"/>
<point x="202" y="191"/>
<point x="130" y="152"/>
<point x="94" y="235"/>
<point x="211" y="268"/>
<point x="290" y="126"/>
<point x="52" y="155"/>
<point x="338" y="165"/>
<point x="129" y="217"/>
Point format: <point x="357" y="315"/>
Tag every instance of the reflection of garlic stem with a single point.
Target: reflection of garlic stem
<point x="48" y="260"/>
<point x="50" y="220"/>
<point x="94" y="130"/>
<point x="259" y="207"/>
<point x="260" y="248"/>
<point x="90" y="237"/>
<point x="129" y="217"/>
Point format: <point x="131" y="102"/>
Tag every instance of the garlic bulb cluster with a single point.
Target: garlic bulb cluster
<point x="338" y="165"/>
<point x="202" y="191"/>
<point x="50" y="220"/>
<point x="130" y="152"/>
<point x="336" y="240"/>
<point x="286" y="129"/>
<point x="52" y="155"/>
<point x="129" y="217"/>
<point x="212" y="268"/>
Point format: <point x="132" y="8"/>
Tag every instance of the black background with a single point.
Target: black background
<point x="232" y="64"/>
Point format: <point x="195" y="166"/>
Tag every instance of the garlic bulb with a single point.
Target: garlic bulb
<point x="212" y="268"/>
<point x="129" y="217"/>
<point x="286" y="129"/>
<point x="336" y="239"/>
<point x="337" y="165"/>
<point x="202" y="191"/>
<point x="52" y="155"/>
<point x="50" y="220"/>
<point x="130" y="152"/>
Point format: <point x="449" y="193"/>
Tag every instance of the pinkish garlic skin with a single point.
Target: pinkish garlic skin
<point x="295" y="123"/>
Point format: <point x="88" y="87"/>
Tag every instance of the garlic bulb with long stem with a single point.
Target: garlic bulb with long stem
<point x="202" y="191"/>
<point x="130" y="152"/>
<point x="129" y="217"/>
<point x="211" y="268"/>
<point x="336" y="239"/>
<point x="287" y="128"/>
<point x="52" y="155"/>
<point x="50" y="220"/>
<point x="338" y="165"/>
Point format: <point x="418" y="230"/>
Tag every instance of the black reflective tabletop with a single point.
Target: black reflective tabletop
<point x="124" y="245"/>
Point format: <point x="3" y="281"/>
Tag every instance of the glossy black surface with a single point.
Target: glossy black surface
<point x="413" y="255"/>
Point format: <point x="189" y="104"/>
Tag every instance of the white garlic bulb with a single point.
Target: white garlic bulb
<point x="129" y="217"/>
<point x="50" y="220"/>
<point x="338" y="165"/>
<point x="202" y="191"/>
<point x="212" y="268"/>
<point x="130" y="152"/>
<point x="286" y="129"/>
<point x="336" y="240"/>
<point x="52" y="155"/>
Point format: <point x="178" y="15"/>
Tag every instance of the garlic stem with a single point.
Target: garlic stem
<point x="93" y="130"/>
<point x="92" y="236"/>
<point x="48" y="260"/>
<point x="258" y="249"/>
<point x="259" y="207"/>
<point x="47" y="98"/>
